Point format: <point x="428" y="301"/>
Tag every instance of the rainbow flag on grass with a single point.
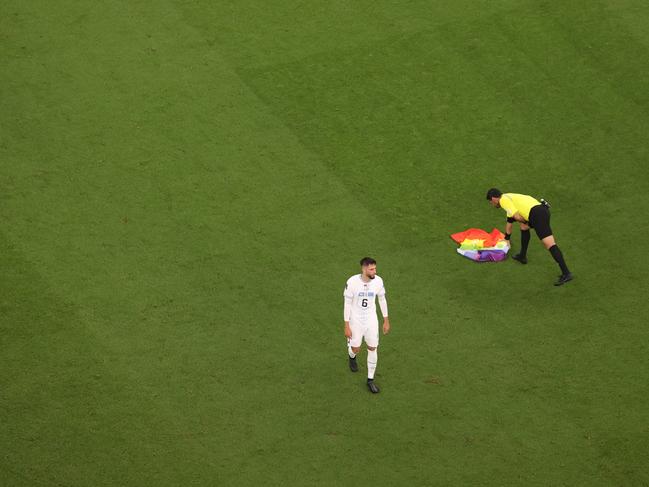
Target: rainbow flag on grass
<point x="480" y="246"/>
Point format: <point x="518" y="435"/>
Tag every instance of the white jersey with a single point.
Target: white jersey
<point x="362" y="297"/>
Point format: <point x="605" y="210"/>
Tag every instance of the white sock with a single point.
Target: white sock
<point x="372" y="358"/>
<point x="350" y="352"/>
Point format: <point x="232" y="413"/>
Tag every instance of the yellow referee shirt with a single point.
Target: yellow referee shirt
<point x="521" y="203"/>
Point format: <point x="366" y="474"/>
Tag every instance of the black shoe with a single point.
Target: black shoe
<point x="353" y="365"/>
<point x="372" y="386"/>
<point x="563" y="278"/>
<point x="520" y="258"/>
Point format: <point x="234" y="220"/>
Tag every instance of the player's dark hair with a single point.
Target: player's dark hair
<point x="494" y="193"/>
<point x="365" y="261"/>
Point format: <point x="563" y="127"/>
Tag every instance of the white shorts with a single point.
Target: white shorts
<point x="368" y="331"/>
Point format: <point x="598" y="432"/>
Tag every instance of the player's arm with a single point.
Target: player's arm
<point x="347" y="310"/>
<point x="383" y="304"/>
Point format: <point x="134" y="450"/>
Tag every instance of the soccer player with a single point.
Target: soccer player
<point x="360" y="317"/>
<point x="530" y="213"/>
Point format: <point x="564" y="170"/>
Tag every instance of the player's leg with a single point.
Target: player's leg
<point x="372" y="342"/>
<point x="354" y="345"/>
<point x="372" y="359"/>
<point x="525" y="241"/>
<point x="544" y="233"/>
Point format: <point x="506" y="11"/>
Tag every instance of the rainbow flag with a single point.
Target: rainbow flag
<point x="480" y="246"/>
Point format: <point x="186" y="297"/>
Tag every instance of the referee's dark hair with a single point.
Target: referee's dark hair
<point x="494" y="193"/>
<point x="365" y="261"/>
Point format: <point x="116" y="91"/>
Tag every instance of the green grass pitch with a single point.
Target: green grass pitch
<point x="185" y="186"/>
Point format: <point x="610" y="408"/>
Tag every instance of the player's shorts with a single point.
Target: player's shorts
<point x="540" y="221"/>
<point x="368" y="331"/>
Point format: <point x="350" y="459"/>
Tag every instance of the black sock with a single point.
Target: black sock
<point x="558" y="256"/>
<point x="525" y="241"/>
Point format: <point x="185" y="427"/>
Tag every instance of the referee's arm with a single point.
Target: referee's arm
<point x="508" y="228"/>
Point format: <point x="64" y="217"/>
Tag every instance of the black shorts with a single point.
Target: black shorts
<point x="540" y="221"/>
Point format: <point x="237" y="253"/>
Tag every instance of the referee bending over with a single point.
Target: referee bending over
<point x="530" y="213"/>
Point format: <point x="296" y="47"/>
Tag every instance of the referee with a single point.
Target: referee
<point x="530" y="213"/>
